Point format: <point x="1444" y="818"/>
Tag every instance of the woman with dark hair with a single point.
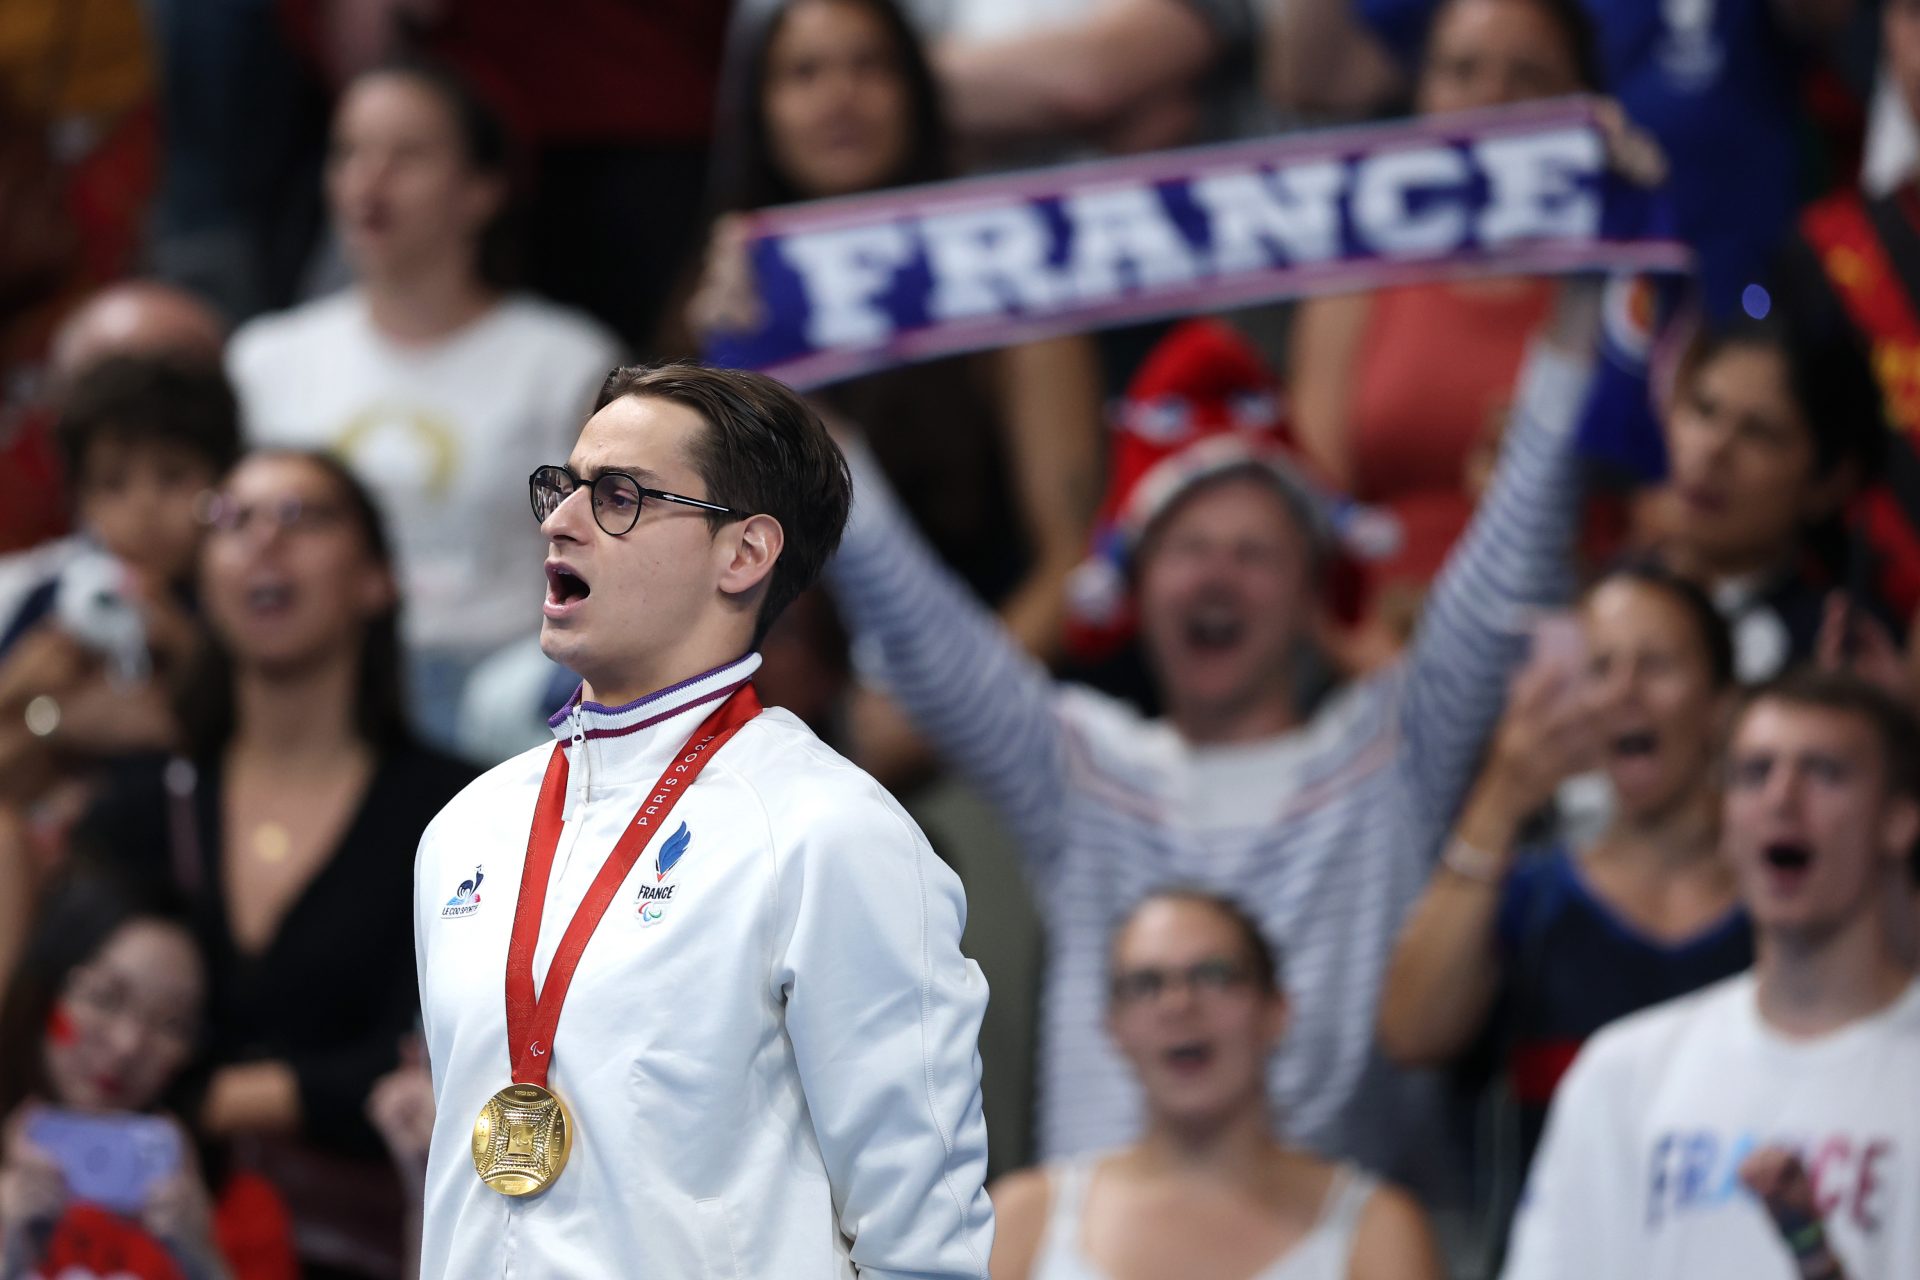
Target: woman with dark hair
<point x="1771" y="430"/>
<point x="439" y="387"/>
<point x="1530" y="950"/>
<point x="101" y="1050"/>
<point x="1197" y="1005"/>
<point x="291" y="826"/>
<point x="1399" y="394"/>
<point x="995" y="454"/>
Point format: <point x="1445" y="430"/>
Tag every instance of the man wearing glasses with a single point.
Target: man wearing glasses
<point x="691" y="983"/>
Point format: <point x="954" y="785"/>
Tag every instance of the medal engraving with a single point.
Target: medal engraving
<point x="521" y="1140"/>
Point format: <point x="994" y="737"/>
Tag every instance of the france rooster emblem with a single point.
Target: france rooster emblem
<point x="466" y="899"/>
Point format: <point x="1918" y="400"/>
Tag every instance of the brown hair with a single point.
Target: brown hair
<point x="765" y="452"/>
<point x="1261" y="954"/>
<point x="131" y="399"/>
<point x="1892" y="722"/>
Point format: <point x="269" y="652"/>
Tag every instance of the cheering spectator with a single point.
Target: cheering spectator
<point x="1772" y="428"/>
<point x="1321" y="812"/>
<point x="1644" y="1167"/>
<point x="1715" y="83"/>
<point x="995" y="454"/>
<point x="1538" y="949"/>
<point x="292" y="826"/>
<point x="1397" y="392"/>
<point x="1196" y="1008"/>
<point x="101" y="1035"/>
<point x="442" y="391"/>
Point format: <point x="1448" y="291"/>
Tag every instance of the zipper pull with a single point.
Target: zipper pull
<point x="578" y="767"/>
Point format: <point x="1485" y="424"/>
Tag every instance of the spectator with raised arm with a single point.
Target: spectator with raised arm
<point x="1320" y="812"/>
<point x="1537" y="948"/>
<point x="1398" y="393"/>
<point x="995" y="453"/>
<point x="1718" y="83"/>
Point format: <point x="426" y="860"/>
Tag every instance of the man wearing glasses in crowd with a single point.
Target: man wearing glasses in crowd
<point x="767" y="1063"/>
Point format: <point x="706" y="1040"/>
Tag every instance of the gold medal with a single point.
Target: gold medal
<point x="521" y="1140"/>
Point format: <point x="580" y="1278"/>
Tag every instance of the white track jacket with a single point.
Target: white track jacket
<point x="769" y="1050"/>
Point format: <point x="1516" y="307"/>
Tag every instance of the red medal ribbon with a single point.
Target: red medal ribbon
<point x="531" y="1021"/>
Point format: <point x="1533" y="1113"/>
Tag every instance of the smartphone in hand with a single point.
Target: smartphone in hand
<point x="1560" y="649"/>
<point x="109" y="1160"/>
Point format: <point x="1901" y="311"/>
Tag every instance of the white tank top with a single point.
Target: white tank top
<point x="1322" y="1254"/>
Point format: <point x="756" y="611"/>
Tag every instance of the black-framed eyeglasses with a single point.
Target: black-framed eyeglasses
<point x="1214" y="977"/>
<point x="616" y="497"/>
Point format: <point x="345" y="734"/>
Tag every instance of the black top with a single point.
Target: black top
<point x="334" y="991"/>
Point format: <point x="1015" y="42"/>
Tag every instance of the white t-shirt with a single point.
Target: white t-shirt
<point x="444" y="435"/>
<point x="1638" y="1173"/>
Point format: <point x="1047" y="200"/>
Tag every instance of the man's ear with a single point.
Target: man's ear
<point x="1900" y="827"/>
<point x="755" y="545"/>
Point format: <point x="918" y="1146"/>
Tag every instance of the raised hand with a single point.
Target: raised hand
<point x="726" y="300"/>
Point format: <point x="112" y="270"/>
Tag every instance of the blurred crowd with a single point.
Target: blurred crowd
<point x="1561" y="834"/>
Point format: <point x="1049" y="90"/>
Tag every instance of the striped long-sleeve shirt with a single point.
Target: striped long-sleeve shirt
<point x="1326" y="832"/>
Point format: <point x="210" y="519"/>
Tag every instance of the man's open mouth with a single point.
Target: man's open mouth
<point x="1214" y="628"/>
<point x="1638" y="744"/>
<point x="1789" y="856"/>
<point x="1190" y="1058"/>
<point x="564" y="586"/>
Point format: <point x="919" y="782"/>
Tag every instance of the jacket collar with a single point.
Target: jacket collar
<point x="615" y="744"/>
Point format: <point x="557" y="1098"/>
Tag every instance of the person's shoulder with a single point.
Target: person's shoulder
<point x="558" y="329"/>
<point x="127" y="824"/>
<point x="798" y="779"/>
<point x="1114" y="727"/>
<point x="1904" y="1017"/>
<point x="1392" y="1239"/>
<point x="284" y="334"/>
<point x="1655" y="1037"/>
<point x="1022" y="1192"/>
<point x="434" y="775"/>
<point x="1022" y="1204"/>
<point x="1541" y="876"/>
<point x="143" y="778"/>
